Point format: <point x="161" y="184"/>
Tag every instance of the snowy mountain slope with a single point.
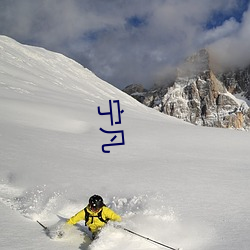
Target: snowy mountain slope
<point x="182" y="185"/>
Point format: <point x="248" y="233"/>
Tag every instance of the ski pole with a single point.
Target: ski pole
<point x="146" y="238"/>
<point x="45" y="228"/>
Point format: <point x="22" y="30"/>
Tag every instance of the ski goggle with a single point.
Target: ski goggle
<point x="94" y="208"/>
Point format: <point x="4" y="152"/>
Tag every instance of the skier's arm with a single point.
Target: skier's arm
<point x="110" y="214"/>
<point x="77" y="217"/>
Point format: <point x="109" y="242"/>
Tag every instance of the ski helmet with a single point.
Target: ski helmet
<point x="95" y="202"/>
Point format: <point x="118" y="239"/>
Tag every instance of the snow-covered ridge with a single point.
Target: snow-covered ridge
<point x="33" y="74"/>
<point x="34" y="66"/>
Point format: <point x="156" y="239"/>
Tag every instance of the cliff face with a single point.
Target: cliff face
<point x="237" y="81"/>
<point x="201" y="97"/>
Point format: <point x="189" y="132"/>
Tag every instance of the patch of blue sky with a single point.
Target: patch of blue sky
<point x="219" y="17"/>
<point x="136" y="21"/>
<point x="91" y="36"/>
<point x="131" y="22"/>
<point x="96" y="34"/>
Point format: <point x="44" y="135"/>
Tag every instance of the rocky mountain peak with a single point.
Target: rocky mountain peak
<point x="196" y="64"/>
<point x="200" y="96"/>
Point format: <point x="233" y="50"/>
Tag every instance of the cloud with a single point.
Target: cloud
<point x="233" y="49"/>
<point x="121" y="41"/>
<point x="228" y="28"/>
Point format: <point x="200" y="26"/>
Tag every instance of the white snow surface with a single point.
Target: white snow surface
<point x="182" y="185"/>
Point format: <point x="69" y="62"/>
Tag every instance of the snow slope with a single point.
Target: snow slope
<point x="176" y="183"/>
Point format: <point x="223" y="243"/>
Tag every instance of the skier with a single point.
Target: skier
<point x="95" y="214"/>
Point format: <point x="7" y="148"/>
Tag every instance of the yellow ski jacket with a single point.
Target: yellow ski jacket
<point x="94" y="223"/>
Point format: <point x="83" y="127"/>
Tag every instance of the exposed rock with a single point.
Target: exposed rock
<point x="201" y="97"/>
<point x="237" y="81"/>
<point x="137" y="91"/>
<point x="133" y="88"/>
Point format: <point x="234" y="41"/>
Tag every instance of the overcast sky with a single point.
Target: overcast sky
<point x="131" y="41"/>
